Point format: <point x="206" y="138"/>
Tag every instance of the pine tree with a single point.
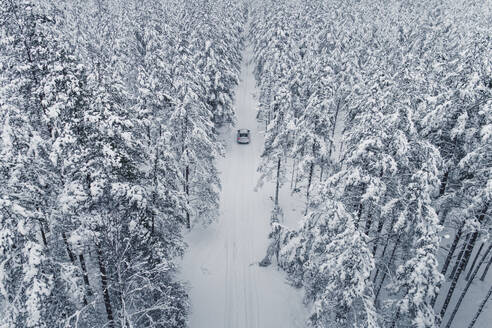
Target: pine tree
<point x="348" y="298"/>
<point x="330" y="258"/>
<point x="46" y="88"/>
<point x="417" y="277"/>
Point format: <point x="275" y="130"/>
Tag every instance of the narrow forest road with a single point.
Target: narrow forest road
<point x="227" y="287"/>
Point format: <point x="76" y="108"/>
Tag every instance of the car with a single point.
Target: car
<point x="243" y="136"/>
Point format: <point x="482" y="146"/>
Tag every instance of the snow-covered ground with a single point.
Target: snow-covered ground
<point x="227" y="287"/>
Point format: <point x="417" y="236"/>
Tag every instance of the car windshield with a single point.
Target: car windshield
<point x="243" y="134"/>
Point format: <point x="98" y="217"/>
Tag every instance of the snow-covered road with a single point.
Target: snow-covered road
<point x="227" y="287"/>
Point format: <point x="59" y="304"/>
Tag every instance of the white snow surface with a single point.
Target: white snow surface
<point x="227" y="287"/>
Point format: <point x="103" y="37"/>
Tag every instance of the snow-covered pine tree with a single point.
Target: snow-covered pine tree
<point x="475" y="192"/>
<point x="146" y="279"/>
<point x="192" y="131"/>
<point x="313" y="118"/>
<point x="219" y="62"/>
<point x="416" y="280"/>
<point x="125" y="187"/>
<point x="275" y="72"/>
<point x="45" y="89"/>
<point x="96" y="148"/>
<point x="348" y="298"/>
<point x="330" y="258"/>
<point x="452" y="116"/>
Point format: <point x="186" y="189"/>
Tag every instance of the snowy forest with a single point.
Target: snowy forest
<point x="371" y="153"/>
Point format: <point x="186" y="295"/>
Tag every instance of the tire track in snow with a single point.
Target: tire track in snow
<point x="252" y="280"/>
<point x="226" y="287"/>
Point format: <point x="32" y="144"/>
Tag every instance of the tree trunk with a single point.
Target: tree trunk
<point x="293" y="172"/>
<point x="442" y="214"/>
<point x="473" y="239"/>
<point x="444" y="182"/>
<point x="460" y="257"/>
<point x="71" y="256"/>
<point x="378" y="232"/>
<point x="449" y="257"/>
<point x="482" y="278"/>
<point x="480" y="308"/>
<point x="340" y="150"/>
<point x="296" y="180"/>
<point x="278" y="182"/>
<point x="469" y="250"/>
<point x="382" y="257"/>
<point x="156" y="169"/>
<point x="454" y="282"/>
<point x="85" y="274"/>
<point x="359" y="215"/>
<point x="43" y="234"/>
<point x="187" y="190"/>
<point x="390" y="262"/>
<point x="333" y="130"/>
<point x="463" y="293"/>
<point x="322" y="165"/>
<point x="368" y="223"/>
<point x="384" y="249"/>
<point x="104" y="285"/>
<point x="397" y="317"/>
<point x="69" y="251"/>
<point x="309" y="186"/>
<point x="474" y="261"/>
